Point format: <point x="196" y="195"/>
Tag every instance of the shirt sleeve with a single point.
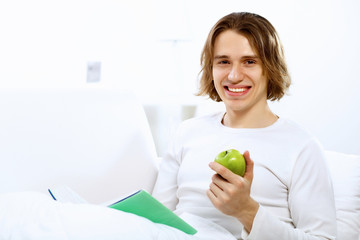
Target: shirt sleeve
<point x="311" y="203"/>
<point x="166" y="185"/>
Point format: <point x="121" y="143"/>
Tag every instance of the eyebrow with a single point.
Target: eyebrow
<point x="243" y="57"/>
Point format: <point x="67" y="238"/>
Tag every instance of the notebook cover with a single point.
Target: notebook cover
<point x="143" y="204"/>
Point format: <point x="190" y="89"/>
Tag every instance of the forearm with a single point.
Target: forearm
<point x="267" y="227"/>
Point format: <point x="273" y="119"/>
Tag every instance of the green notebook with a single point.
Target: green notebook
<point x="143" y="204"/>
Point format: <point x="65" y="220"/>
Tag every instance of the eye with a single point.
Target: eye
<point x="223" y="62"/>
<point x="250" y="61"/>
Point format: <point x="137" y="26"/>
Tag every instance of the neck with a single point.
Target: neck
<point x="253" y="118"/>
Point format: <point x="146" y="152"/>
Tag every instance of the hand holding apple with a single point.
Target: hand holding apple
<point x="230" y="193"/>
<point x="233" y="160"/>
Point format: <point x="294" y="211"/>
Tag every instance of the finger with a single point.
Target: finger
<point x="219" y="181"/>
<point x="216" y="195"/>
<point x="223" y="172"/>
<point x="249" y="172"/>
<point x="215" y="189"/>
<point x="212" y="197"/>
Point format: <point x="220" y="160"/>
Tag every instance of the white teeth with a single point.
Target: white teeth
<point x="237" y="89"/>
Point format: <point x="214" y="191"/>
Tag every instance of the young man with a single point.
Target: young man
<point x="286" y="191"/>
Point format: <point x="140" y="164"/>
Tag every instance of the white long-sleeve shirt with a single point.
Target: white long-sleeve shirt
<point x="291" y="181"/>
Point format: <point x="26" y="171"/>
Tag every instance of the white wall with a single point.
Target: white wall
<point x="154" y="48"/>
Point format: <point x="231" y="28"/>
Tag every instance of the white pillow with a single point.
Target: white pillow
<point x="345" y="173"/>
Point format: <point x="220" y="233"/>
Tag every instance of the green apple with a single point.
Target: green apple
<point x="233" y="160"/>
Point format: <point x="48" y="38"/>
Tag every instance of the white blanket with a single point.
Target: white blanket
<point x="30" y="215"/>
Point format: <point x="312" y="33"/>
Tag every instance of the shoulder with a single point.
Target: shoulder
<point x="294" y="135"/>
<point x="194" y="130"/>
<point x="203" y="121"/>
<point x="293" y="129"/>
<point x="198" y="126"/>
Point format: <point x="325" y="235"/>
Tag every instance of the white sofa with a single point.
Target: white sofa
<point x="95" y="141"/>
<point x="98" y="143"/>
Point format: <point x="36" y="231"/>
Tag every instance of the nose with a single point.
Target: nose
<point x="236" y="73"/>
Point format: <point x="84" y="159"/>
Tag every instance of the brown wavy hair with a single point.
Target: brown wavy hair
<point x="263" y="38"/>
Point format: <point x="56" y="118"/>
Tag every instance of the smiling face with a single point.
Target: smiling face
<point x="238" y="74"/>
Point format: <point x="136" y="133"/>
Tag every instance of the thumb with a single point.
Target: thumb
<point x="249" y="172"/>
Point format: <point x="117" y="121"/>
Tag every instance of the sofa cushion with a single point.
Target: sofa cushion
<point x="345" y="173"/>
